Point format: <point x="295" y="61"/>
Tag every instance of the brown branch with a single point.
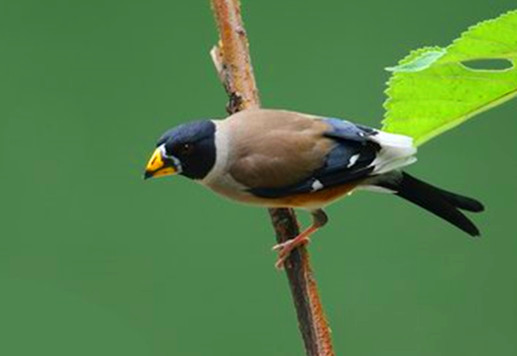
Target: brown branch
<point x="233" y="64"/>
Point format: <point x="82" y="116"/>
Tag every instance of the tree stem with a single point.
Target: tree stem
<point x="233" y="64"/>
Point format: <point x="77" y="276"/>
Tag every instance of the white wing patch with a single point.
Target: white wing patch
<point x="353" y="160"/>
<point x="317" y="186"/>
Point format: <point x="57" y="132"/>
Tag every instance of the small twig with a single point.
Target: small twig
<point x="233" y="64"/>
<point x="217" y="59"/>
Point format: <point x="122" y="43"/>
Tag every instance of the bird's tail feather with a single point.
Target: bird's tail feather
<point x="442" y="203"/>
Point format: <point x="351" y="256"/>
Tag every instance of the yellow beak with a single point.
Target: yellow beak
<point x="158" y="166"/>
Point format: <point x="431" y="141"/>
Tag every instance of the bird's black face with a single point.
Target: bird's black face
<point x="188" y="149"/>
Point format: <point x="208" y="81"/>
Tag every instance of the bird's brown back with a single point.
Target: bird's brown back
<point x="274" y="148"/>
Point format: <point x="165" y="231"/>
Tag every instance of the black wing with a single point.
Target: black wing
<point x="350" y="160"/>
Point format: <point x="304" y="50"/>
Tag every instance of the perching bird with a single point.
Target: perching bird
<point x="277" y="158"/>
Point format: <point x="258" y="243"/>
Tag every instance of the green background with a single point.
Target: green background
<point x="93" y="261"/>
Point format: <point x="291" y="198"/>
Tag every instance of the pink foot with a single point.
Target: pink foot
<point x="284" y="249"/>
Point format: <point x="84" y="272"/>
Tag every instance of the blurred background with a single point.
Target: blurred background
<point x="95" y="261"/>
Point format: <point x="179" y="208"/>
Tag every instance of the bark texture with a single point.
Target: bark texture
<point x="233" y="64"/>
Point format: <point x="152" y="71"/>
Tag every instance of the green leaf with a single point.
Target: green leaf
<point x="419" y="60"/>
<point x="435" y="89"/>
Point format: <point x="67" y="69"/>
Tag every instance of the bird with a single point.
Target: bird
<point x="285" y="159"/>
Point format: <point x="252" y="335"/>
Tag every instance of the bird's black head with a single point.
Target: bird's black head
<point x="188" y="149"/>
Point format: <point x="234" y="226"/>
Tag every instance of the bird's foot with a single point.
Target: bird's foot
<point x="289" y="245"/>
<point x="284" y="249"/>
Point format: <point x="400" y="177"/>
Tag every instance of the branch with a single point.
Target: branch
<point x="233" y="64"/>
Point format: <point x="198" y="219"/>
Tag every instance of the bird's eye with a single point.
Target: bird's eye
<point x="186" y="148"/>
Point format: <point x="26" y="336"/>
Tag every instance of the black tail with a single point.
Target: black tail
<point x="444" y="204"/>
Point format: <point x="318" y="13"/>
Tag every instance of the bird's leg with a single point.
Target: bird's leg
<point x="319" y="219"/>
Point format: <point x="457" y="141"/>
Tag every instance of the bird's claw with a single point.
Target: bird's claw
<point x="284" y="249"/>
<point x="289" y="244"/>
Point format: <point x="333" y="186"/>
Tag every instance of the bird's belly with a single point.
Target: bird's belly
<point x="317" y="199"/>
<point x="312" y="200"/>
